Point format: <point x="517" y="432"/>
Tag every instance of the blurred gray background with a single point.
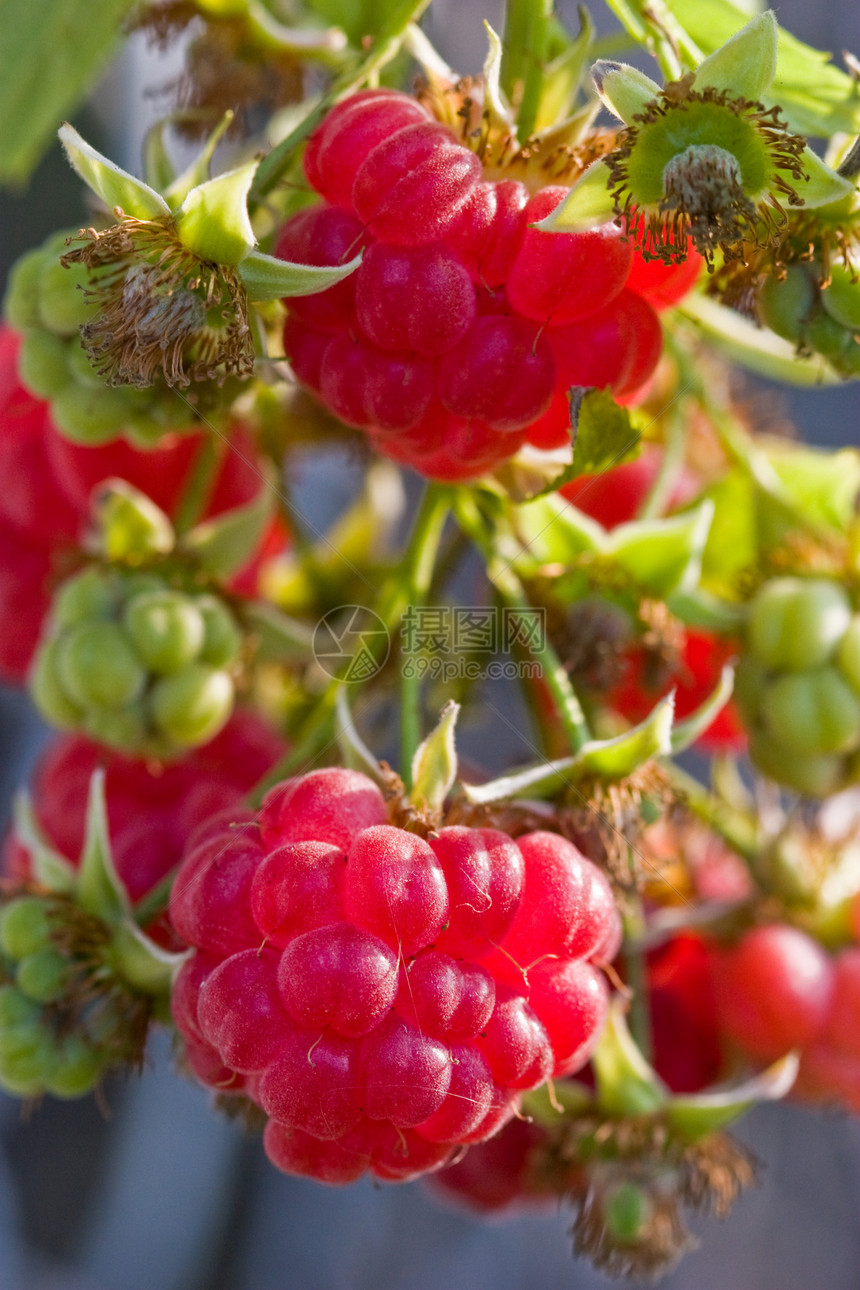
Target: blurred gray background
<point x="160" y="1194"/>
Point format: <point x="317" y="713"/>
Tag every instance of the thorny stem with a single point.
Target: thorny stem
<point x="537" y="15"/>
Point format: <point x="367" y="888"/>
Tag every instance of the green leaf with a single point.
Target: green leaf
<point x="47" y="865"/>
<point x="746" y="63"/>
<point x="146" y="966"/>
<point x="626" y="1084"/>
<point x="823" y="486"/>
<point x="115" y="186"/>
<point x="588" y="204"/>
<point x="695" y="1115"/>
<point x="663" y="555"/>
<point x="197" y="171"/>
<point x="100" y="889"/>
<point x="267" y="278"/>
<point x="434" y="766"/>
<point x="686" y="732"/>
<point x="623" y="89"/>
<point x="224" y="544"/>
<point x="603" y="434"/>
<point x="51" y="53"/>
<point x="213" y="219"/>
<point x="816" y="97"/>
<point x="613" y="759"/>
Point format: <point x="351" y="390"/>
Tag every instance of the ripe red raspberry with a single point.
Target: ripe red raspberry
<point x="345" y="975"/>
<point x="152" y="812"/>
<point x="684" y="1024"/>
<point x="452" y="272"/>
<point x="773" y="990"/>
<point x="45" y="501"/>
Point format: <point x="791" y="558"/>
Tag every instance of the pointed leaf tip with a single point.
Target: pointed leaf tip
<point x="623" y="89"/>
<point x="116" y="187"/>
<point x="434" y="766"/>
<point x="746" y="63"/>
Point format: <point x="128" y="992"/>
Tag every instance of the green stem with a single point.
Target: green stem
<point x="512" y="592"/>
<point x="636" y="975"/>
<point x="514" y="45"/>
<point x="660" y="492"/>
<point x="199" y="484"/>
<point x="540" y="13"/>
<point x="313" y="736"/>
<point x="419" y="563"/>
<point x="738" y="830"/>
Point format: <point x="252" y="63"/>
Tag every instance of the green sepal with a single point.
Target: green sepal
<point x="686" y="732"/>
<point x="625" y="90"/>
<point x="49" y="868"/>
<point x="753" y="347"/>
<point x="224" y="544"/>
<point x="699" y="608"/>
<point x="494" y="103"/>
<point x="820" y="186"/>
<point x="626" y="1084"/>
<point x="129" y="525"/>
<point x="99" y="889"/>
<point x="278" y="637"/>
<point x="604" y="759"/>
<point x="745" y="64"/>
<point x="354" y="752"/>
<point x="588" y="204"/>
<point x="213" y="219"/>
<point x="147" y="967"/>
<point x="434" y="766"/>
<point x="197" y="172"/>
<point x="695" y="1115"/>
<point x="267" y="278"/>
<point x="553" y="530"/>
<point x="663" y="555"/>
<point x="116" y="187"/>
<point x="563" y="77"/>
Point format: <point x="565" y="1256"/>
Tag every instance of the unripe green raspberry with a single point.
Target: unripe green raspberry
<point x="826" y="336"/>
<point x="43" y="976"/>
<point x="47" y="691"/>
<point x="166" y="629"/>
<point x="192" y="705"/>
<point x="848" y="654"/>
<point x="841" y="298"/>
<point x="15" y="1007"/>
<point x="222" y="638"/>
<point x="785" y="303"/>
<point x="816" y="775"/>
<point x="88" y="415"/>
<point x="91" y="594"/>
<point x="80" y="367"/>
<point x="20" y="304"/>
<point x="127" y="728"/>
<point x="811" y="712"/>
<point x="27" y="1058"/>
<point x="797" y="623"/>
<point x="25" y="927"/>
<point x="78" y="1067"/>
<point x="62" y="305"/>
<point x="42" y="364"/>
<point x="98" y="667"/>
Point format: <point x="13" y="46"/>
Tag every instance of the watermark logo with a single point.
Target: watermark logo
<point x="351" y="643"/>
<point x="436" y="642"/>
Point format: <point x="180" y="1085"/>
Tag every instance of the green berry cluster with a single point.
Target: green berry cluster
<point x="824" y="319"/>
<point x="135" y="663"/>
<point x="57" y="1035"/>
<point x="798" y="685"/>
<point x="47" y="302"/>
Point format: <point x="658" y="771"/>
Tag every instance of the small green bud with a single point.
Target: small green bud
<point x="166" y="629"/>
<point x="98" y="667"/>
<point x="43" y="976"/>
<point x="25" y="927"/>
<point x="785" y="303"/>
<point x="91" y="594"/>
<point x="222" y="639"/>
<point x="628" y="1210"/>
<point x="816" y="775"/>
<point x="841" y="298"/>
<point x="77" y="1070"/>
<point x="48" y="693"/>
<point x="812" y="712"/>
<point x="131" y="524"/>
<point x="42" y="364"/>
<point x="125" y="729"/>
<point x="797" y="623"/>
<point x="87" y="415"/>
<point x="192" y="705"/>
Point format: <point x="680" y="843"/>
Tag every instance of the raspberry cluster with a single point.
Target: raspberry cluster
<point x="136" y="663"/>
<point x="45" y="501"/>
<point x="464" y="327"/>
<point x="382" y="997"/>
<point x="798" y="684"/>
